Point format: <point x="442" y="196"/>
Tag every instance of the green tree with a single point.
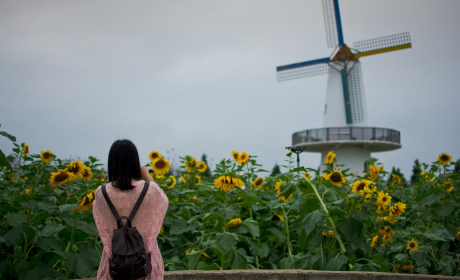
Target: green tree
<point x="416" y="170"/>
<point x="276" y="170"/>
<point x="207" y="173"/>
<point x="457" y="166"/>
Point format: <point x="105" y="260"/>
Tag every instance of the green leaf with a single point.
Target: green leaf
<point x="434" y="236"/>
<point x="50" y="244"/>
<point x="421" y="258"/>
<point x="16" y="219"/>
<point x="192" y="260"/>
<point x="42" y="272"/>
<point x="4" y="161"/>
<point x="308" y="206"/>
<point x="67" y="207"/>
<point x="444" y="210"/>
<point x="86" y="249"/>
<point x="77" y="264"/>
<point x="433" y="198"/>
<point x="238" y="258"/>
<point x="16" y="234"/>
<point x="370" y="266"/>
<point x="258" y="249"/>
<point x="421" y="270"/>
<point x="225" y="241"/>
<point x="180" y="226"/>
<point x="400" y="257"/>
<point x="312" y="219"/>
<point x="248" y="198"/>
<point x="51" y="230"/>
<point x="252" y="226"/>
<point x="444" y="233"/>
<point x="40" y="218"/>
<point x="336" y="263"/>
<point x="205" y="266"/>
<point x="9" y="136"/>
<point x="350" y="228"/>
<point x="89" y="228"/>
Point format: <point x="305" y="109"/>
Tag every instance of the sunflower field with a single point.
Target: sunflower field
<point x="236" y="218"/>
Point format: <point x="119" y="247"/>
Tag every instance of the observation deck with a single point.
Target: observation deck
<point x="373" y="138"/>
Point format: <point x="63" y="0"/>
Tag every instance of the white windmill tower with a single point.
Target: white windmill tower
<point x="345" y="127"/>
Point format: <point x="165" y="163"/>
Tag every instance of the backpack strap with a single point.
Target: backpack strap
<point x="139" y="200"/>
<point x="109" y="202"/>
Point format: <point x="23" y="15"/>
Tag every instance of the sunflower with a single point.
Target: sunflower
<point x="236" y="156"/>
<point x="195" y="198"/>
<point x="288" y="154"/>
<point x="358" y="207"/>
<point x="197" y="179"/>
<point x="184" y="178"/>
<point x="228" y="183"/>
<point x="161" y="166"/>
<point x="381" y="209"/>
<point x="382" y="230"/>
<point x="87" y="174"/>
<point x="191" y="164"/>
<point x="204" y="256"/>
<point x="412" y="245"/>
<point x="280" y="217"/>
<point x="330" y="232"/>
<point x="382" y="168"/>
<point x="374" y="240"/>
<point x="162" y="229"/>
<point x="444" y="158"/>
<point x="384" y="198"/>
<point x="388" y="233"/>
<point x="374" y="171"/>
<point x="46" y="156"/>
<point x="171" y="182"/>
<point x="336" y="177"/>
<point x="278" y="191"/>
<point x="397" y="209"/>
<point x="202" y="166"/>
<point x="396" y="180"/>
<point x="330" y="157"/>
<point x="25" y="150"/>
<point x="86" y="202"/>
<point x="258" y="183"/>
<point x="307" y="175"/>
<point x="154" y="155"/>
<point x="244" y="158"/>
<point x="28" y="191"/>
<point x="60" y="177"/>
<point x="234" y="222"/>
<point x="449" y="186"/>
<point x="360" y="185"/>
<point x="76" y="168"/>
<point x="189" y="251"/>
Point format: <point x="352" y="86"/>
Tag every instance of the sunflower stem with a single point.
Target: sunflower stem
<point x="288" y="237"/>
<point x="339" y="239"/>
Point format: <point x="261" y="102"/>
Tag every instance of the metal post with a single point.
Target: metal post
<point x="297" y="150"/>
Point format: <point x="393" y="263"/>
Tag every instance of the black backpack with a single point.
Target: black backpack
<point x="129" y="259"/>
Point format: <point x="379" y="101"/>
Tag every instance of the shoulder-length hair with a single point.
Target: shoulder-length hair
<point x="124" y="164"/>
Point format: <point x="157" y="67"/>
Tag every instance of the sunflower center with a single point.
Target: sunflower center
<point x="384" y="199"/>
<point x="361" y="186"/>
<point x="235" y="156"/>
<point x="154" y="155"/>
<point x="258" y="182"/>
<point x="160" y="164"/>
<point x="336" y="177"/>
<point x="444" y="158"/>
<point x="62" y="176"/>
<point x="74" y="169"/>
<point x="412" y="245"/>
<point x="46" y="155"/>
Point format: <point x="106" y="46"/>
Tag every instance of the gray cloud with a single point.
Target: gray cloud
<point x="199" y="76"/>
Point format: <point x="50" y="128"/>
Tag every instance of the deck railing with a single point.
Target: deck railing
<point x="352" y="133"/>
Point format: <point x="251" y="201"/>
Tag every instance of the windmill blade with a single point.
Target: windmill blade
<point x="383" y="44"/>
<point x="333" y="23"/>
<point x="354" y="96"/>
<point x="303" y="69"/>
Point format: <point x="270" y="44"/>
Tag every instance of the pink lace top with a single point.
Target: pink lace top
<point x="148" y="222"/>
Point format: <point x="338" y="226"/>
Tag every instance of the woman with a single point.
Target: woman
<point x="126" y="181"/>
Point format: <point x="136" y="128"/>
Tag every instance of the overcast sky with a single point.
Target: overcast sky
<point x="200" y="76"/>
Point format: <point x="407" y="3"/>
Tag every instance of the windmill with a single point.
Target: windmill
<point x="345" y="127"/>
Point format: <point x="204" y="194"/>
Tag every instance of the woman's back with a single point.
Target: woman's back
<point x="148" y="222"/>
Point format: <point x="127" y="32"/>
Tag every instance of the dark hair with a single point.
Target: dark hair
<point x="124" y="164"/>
